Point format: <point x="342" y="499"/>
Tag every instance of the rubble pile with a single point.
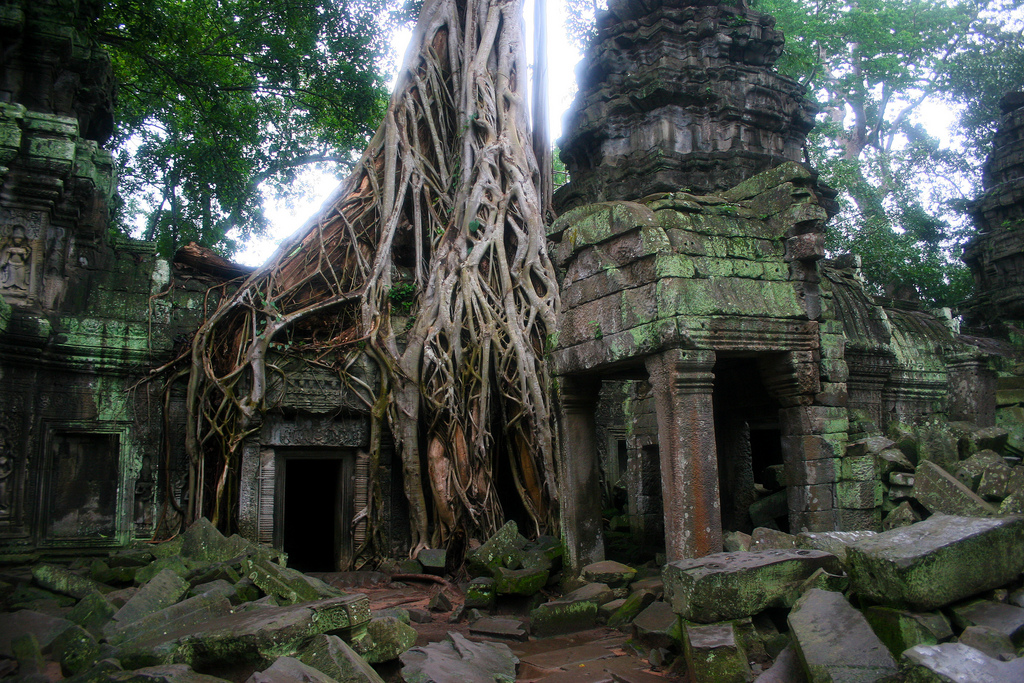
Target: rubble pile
<point x="201" y="603"/>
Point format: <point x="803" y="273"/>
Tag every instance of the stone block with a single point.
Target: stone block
<point x="288" y="586"/>
<point x="765" y="510"/>
<point x="76" y="649"/>
<point x="893" y="460"/>
<point x="969" y="471"/>
<point x="60" y="580"/>
<point x="995" y="482"/>
<point x="384" y="639"/>
<point x="175" y="564"/>
<point x="871" y="445"/>
<point x="903" y="480"/>
<point x="439" y="603"/>
<point x="632" y="606"/>
<point x="990" y="641"/>
<point x="657" y="626"/>
<point x="771" y="539"/>
<point x="614" y="574"/>
<point x="859" y="495"/>
<point x="811" y="472"/>
<point x="957" y="663"/>
<point x="163" y="590"/>
<point x="556" y="617"/>
<point x="480" y="593"/>
<point x="605" y="611"/>
<point x="519" y="581"/>
<point x="938" y="561"/>
<point x="433" y="560"/>
<point x="188" y="613"/>
<point x="734" y="541"/>
<point x="835" y="642"/>
<point x="497" y="627"/>
<point x="813" y="420"/>
<point x="597" y="593"/>
<point x="726" y="586"/>
<point x="901" y="629"/>
<point x="503" y="549"/>
<point x="1013" y="504"/>
<point x="937" y="442"/>
<point x="333" y="656"/>
<point x="1006" y="619"/>
<point x="459" y="659"/>
<point x="26" y="650"/>
<point x="833" y="542"/>
<point x="984" y="438"/>
<point x="43" y="627"/>
<point x="713" y="655"/>
<point x="900" y="516"/>
<point x="939" y="491"/>
<point x="289" y="670"/>
<point x="92" y="612"/>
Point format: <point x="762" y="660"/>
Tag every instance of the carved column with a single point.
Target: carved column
<point x="683" y="383"/>
<point x="579" y="474"/>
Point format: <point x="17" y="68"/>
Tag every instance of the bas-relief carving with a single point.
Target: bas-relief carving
<point x="22" y="249"/>
<point x="316" y="432"/>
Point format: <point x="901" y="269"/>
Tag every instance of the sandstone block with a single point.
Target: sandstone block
<point x="333" y="656"/>
<point x="614" y="574"/>
<point x="458" y="659"/>
<point x="163" y="590"/>
<point x="1006" y="619"/>
<point x="503" y="549"/>
<point x="556" y="617"/>
<point x="519" y="581"/>
<point x="657" y="626"/>
<point x="384" y="639"/>
<point x="631" y="607"/>
<point x="938" y="561"/>
<point x="834" y="542"/>
<point x="939" y="491"/>
<point x="900" y="629"/>
<point x="726" y="586"/>
<point x="835" y="642"/>
<point x="957" y="663"/>
<point x="289" y="670"/>
<point x="713" y="655"/>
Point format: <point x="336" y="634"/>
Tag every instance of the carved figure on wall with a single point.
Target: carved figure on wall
<point x="6" y="470"/>
<point x="15" y="261"/>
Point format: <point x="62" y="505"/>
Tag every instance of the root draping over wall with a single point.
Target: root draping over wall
<point x="441" y="217"/>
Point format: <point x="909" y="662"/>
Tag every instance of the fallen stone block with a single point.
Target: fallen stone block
<point x="605" y="611"/>
<point x="503" y="549"/>
<point x="725" y="586"/>
<point x="163" y="590"/>
<point x="835" y="642"/>
<point x="614" y="574"/>
<point x="1006" y="619"/>
<point x="481" y="593"/>
<point x="554" y="618"/>
<point x="597" y="593"/>
<point x="496" y="627"/>
<point x="44" y="627"/>
<point x="984" y="438"/>
<point x="384" y="639"/>
<point x="60" y="580"/>
<point x="203" y="542"/>
<point x="440" y="603"/>
<point x="763" y="538"/>
<point x="631" y="607"/>
<point x="289" y="670"/>
<point x="170" y="673"/>
<point x="657" y="626"/>
<point x="192" y="612"/>
<point x="900" y="629"/>
<point x="287" y="585"/>
<point x="990" y="641"/>
<point x="255" y="635"/>
<point x="713" y="655"/>
<point x="177" y="565"/>
<point x="765" y="511"/>
<point x="519" y="581"/>
<point x="893" y="460"/>
<point x="785" y="669"/>
<point x="995" y="482"/>
<point x="834" y="542"/>
<point x="1013" y="504"/>
<point x="900" y="516"/>
<point x="92" y="612"/>
<point x="970" y="470"/>
<point x="869" y="446"/>
<point x="938" y="561"/>
<point x="736" y="541"/>
<point x="957" y="663"/>
<point x="76" y="649"/>
<point x="334" y="657"/>
<point x="939" y="491"/>
<point x="26" y="649"/>
<point x="937" y="442"/>
<point x="433" y="560"/>
<point x="458" y="659"/>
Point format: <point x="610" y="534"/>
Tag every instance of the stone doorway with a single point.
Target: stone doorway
<point x="314" y="525"/>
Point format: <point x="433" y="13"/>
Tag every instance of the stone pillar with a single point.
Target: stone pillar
<point x="972" y="390"/>
<point x="579" y="474"/>
<point x="683" y="383"/>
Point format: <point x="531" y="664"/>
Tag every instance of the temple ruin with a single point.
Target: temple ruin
<point x="713" y="365"/>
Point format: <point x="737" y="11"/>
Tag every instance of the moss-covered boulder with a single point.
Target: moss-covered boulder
<point x="519" y="581"/>
<point x="557" y="617"/>
<point x="334" y="657"/>
<point x="384" y="639"/>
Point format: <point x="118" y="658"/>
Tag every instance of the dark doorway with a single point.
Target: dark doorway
<point x="318" y="510"/>
<point x="83" y="483"/>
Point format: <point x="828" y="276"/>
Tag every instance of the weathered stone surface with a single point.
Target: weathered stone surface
<point x="725" y="586"/>
<point x="252" y="635"/>
<point x="713" y="654"/>
<point x="440" y="603"/>
<point x="553" y="618"/>
<point x="632" y="606"/>
<point x="458" y="659"/>
<point x="433" y="560"/>
<point x="771" y="539"/>
<point x="26" y="650"/>
<point x="835" y="642"/>
<point x="519" y="581"/>
<point x="175" y="564"/>
<point x="990" y="641"/>
<point x="192" y="612"/>
<point x="1006" y="619"/>
<point x="44" y="627"/>
<point x="92" y="612"/>
<point x="384" y="639"/>
<point x="900" y="629"/>
<point x="163" y="590"/>
<point x="614" y="574"/>
<point x="76" y="649"/>
<point x="834" y="542"/>
<point x="60" y="580"/>
<point x="333" y="656"/>
<point x="657" y="626"/>
<point x="168" y="673"/>
<point x="497" y="627"/>
<point x="785" y="669"/>
<point x="597" y="593"/>
<point x="481" y="593"/>
<point x="970" y="470"/>
<point x="287" y="585"/>
<point x="289" y="670"/>
<point x="736" y="541"/>
<point x="957" y="663"/>
<point x="938" y="561"/>
<point x="769" y="508"/>
<point x="939" y="491"/>
<point x="503" y="549"/>
<point x="900" y="516"/>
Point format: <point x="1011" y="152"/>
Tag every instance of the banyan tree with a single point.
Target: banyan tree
<point x="442" y="219"/>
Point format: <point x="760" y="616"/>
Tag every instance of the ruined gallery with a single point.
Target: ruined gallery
<point x="720" y="384"/>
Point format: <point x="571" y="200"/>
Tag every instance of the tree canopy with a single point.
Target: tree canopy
<point x="221" y="100"/>
<point x="880" y="70"/>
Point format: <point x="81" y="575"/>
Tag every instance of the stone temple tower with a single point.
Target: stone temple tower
<point x="680" y="95"/>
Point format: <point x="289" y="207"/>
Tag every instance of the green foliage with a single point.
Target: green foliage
<point x="221" y="100"/>
<point x="402" y="297"/>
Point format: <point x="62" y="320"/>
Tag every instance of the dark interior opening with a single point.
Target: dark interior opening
<point x="749" y="442"/>
<point x="83" y="485"/>
<point x="312" y="513"/>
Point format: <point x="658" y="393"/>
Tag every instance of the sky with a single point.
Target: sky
<point x="562" y="59"/>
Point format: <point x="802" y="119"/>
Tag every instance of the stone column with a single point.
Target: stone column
<point x="683" y="383"/>
<point x="972" y="390"/>
<point x="579" y="474"/>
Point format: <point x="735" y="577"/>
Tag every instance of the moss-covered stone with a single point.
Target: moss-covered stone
<point x="480" y="593"/>
<point x="384" y="639"/>
<point x="554" y="618"/>
<point x="902" y="629"/>
<point x="77" y="650"/>
<point x="92" y="612"/>
<point x="519" y="581"/>
<point x="633" y="605"/>
<point x="60" y="580"/>
<point x="713" y="655"/>
<point x="334" y="657"/>
<point x="504" y="549"/>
